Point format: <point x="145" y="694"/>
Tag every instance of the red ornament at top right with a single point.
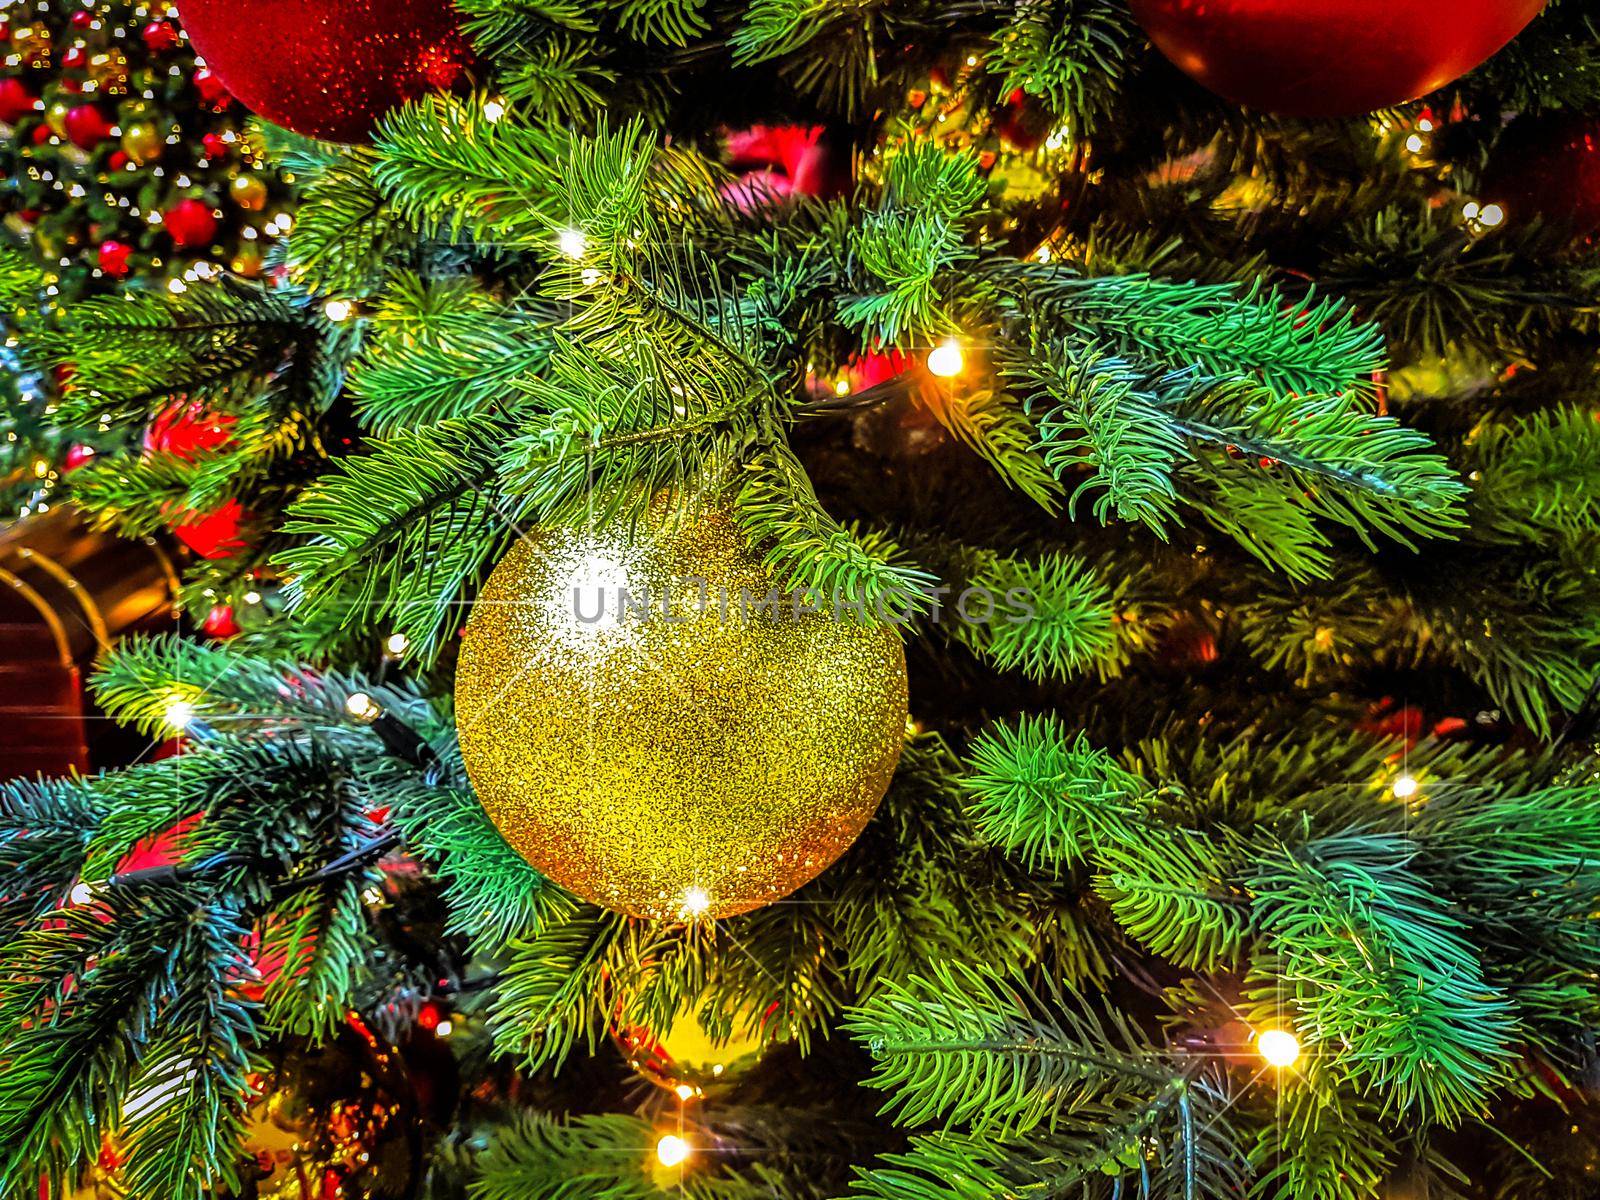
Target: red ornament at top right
<point x="1548" y="166"/>
<point x="1330" y="58"/>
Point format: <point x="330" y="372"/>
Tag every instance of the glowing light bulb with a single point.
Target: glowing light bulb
<point x="252" y="597"/>
<point x="443" y="1029"/>
<point x="696" y="901"/>
<point x="686" y="1091"/>
<point x="1414" y="143"/>
<point x="1279" y="1047"/>
<point x="82" y="893"/>
<point x="572" y="242"/>
<point x="1491" y="215"/>
<point x="1405" y="787"/>
<point x="494" y="111"/>
<point x="338" y="310"/>
<point x="1470" y="210"/>
<point x="396" y="644"/>
<point x="179" y="715"/>
<point x="672" y="1150"/>
<point x="362" y="707"/>
<point x="946" y="359"/>
<point x="841" y="387"/>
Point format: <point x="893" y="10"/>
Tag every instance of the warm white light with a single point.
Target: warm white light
<point x="1414" y="143"/>
<point x="443" y="1029"/>
<point x="1279" y="1047"/>
<point x="572" y="242"/>
<point x="495" y="110"/>
<point x="338" y="310"/>
<point x="1470" y="210"/>
<point x="252" y="597"/>
<point x="946" y="360"/>
<point x="1405" y="787"/>
<point x="1491" y="215"/>
<point x="1425" y="125"/>
<point x="179" y="715"/>
<point x="362" y="707"/>
<point x="686" y="1091"/>
<point x="672" y="1150"/>
<point x="82" y="893"/>
<point x="696" y="902"/>
<point x="841" y="387"/>
<point x="396" y="644"/>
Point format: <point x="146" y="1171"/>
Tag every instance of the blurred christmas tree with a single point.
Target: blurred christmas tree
<point x="902" y="600"/>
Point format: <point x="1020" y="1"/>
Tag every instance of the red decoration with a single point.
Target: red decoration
<point x="1330" y="58"/>
<point x="215" y="145"/>
<point x="82" y="19"/>
<point x="75" y="59"/>
<point x="118" y="160"/>
<point x="113" y="258"/>
<point x="160" y="37"/>
<point x="190" y="223"/>
<point x="1022" y="122"/>
<point x="87" y="127"/>
<point x="429" y="1016"/>
<point x="329" y="68"/>
<point x="16" y="101"/>
<point x="782" y="160"/>
<point x="212" y="90"/>
<point x="1548" y="167"/>
<point x="78" y="455"/>
<point x="42" y="134"/>
<point x="187" y="429"/>
<point x="219" y="622"/>
<point x="216" y="534"/>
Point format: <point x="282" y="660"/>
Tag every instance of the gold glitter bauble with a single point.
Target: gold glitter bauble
<point x="700" y="761"/>
<point x="249" y="191"/>
<point x="688" y="1059"/>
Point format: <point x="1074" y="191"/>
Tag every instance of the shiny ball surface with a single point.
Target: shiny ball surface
<point x="1330" y="58"/>
<point x="682" y="765"/>
<point x="1549" y="167"/>
<point x="329" y="68"/>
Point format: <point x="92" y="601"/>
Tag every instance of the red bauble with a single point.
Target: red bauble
<point x="75" y="59"/>
<point x="1549" y="167"/>
<point x="214" y="145"/>
<point x="42" y="134"/>
<point x="16" y="101"/>
<point x="78" y="455"/>
<point x="82" y="19"/>
<point x="160" y="36"/>
<point x="1330" y="58"/>
<point x="329" y="68"/>
<point x="87" y="127"/>
<point x="187" y="429"/>
<point x="113" y="258"/>
<point x="118" y="160"/>
<point x="211" y="88"/>
<point x="219" y="622"/>
<point x="190" y="224"/>
<point x="216" y="534"/>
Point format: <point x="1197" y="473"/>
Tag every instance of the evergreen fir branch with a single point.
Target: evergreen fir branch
<point x="493" y="894"/>
<point x="46" y="827"/>
<point x="401" y="535"/>
<point x="1053" y="1100"/>
<point x="560" y="77"/>
<point x="443" y="351"/>
<point x="552" y="987"/>
<point x="344" y="238"/>
<point x="775" y="28"/>
<point x="1047" y="796"/>
<point x="185" y="1113"/>
<point x="806" y="549"/>
<point x="1049" y="618"/>
<point x="778" y="969"/>
<point x="1538" y="477"/>
<point x="320" y="937"/>
<point x="1320" y="1144"/>
<point x="1309" y="347"/>
<point x="1174" y="892"/>
<point x="1071" y="53"/>
<point x="995" y="426"/>
<point x="1373" y="962"/>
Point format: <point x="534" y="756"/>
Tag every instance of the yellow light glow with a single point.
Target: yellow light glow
<point x="572" y="242"/>
<point x="672" y="1150"/>
<point x="443" y="1029"/>
<point x="179" y="715"/>
<point x="686" y="1091"/>
<point x="1405" y="787"/>
<point x="338" y="310"/>
<point x="396" y="644"/>
<point x="41" y="468"/>
<point x="946" y="359"/>
<point x="1414" y="143"/>
<point x="1279" y="1047"/>
<point x="841" y="387"/>
<point x="362" y="707"/>
<point x="696" y="901"/>
<point x="1491" y="215"/>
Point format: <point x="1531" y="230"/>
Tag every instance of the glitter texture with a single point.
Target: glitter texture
<point x="698" y="766"/>
<point x="328" y="68"/>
